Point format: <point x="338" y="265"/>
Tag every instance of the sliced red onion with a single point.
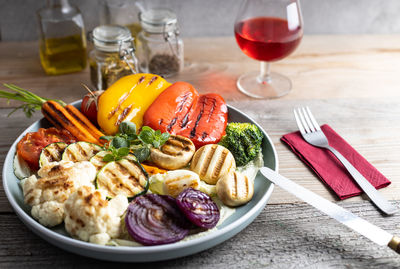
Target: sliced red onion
<point x="198" y="207"/>
<point x="154" y="219"/>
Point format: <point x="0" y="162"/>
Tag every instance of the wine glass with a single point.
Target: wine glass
<point x="268" y="31"/>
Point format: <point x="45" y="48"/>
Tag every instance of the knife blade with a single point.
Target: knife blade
<point x="370" y="231"/>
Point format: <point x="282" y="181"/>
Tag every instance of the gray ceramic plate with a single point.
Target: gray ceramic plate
<point x="57" y="236"/>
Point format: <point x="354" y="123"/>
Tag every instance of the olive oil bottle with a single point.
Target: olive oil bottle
<point x="62" y="42"/>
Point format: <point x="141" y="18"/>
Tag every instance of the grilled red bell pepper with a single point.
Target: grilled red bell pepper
<point x="168" y="112"/>
<point x="180" y="110"/>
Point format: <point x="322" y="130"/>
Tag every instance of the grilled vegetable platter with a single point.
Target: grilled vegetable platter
<point x="145" y="163"/>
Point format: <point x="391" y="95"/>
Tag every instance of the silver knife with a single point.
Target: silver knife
<point x="370" y="231"/>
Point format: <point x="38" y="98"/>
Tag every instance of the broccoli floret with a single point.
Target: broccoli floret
<point x="243" y="140"/>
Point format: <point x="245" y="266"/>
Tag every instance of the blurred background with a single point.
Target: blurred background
<point x="18" y="20"/>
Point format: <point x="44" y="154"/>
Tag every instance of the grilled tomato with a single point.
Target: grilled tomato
<point x="30" y="146"/>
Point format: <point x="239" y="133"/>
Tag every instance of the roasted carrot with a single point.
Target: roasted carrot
<point x="55" y="112"/>
<point x="85" y="122"/>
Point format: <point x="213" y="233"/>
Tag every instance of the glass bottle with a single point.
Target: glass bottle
<point x="122" y="12"/>
<point x="159" y="47"/>
<point x="62" y="42"/>
<point x="113" y="55"/>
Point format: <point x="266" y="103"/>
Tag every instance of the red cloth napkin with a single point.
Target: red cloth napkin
<point x="329" y="169"/>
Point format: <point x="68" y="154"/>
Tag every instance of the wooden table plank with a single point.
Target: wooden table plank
<point x="283" y="236"/>
<point x="331" y="66"/>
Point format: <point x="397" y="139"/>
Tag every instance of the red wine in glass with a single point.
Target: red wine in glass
<point x="267" y="38"/>
<point x="267" y="31"/>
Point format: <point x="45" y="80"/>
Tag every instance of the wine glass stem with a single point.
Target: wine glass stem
<point x="265" y="74"/>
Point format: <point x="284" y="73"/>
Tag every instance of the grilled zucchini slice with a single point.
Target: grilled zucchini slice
<point x="80" y="151"/>
<point x="125" y="177"/>
<point x="52" y="153"/>
<point x="97" y="160"/>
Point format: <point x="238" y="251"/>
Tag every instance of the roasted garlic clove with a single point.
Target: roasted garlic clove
<point x="235" y="189"/>
<point x="211" y="162"/>
<point x="174" y="154"/>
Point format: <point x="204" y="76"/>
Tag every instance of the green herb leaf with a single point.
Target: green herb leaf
<point x="127" y="127"/>
<point x="156" y="143"/>
<point x="146" y="136"/>
<point x="127" y="140"/>
<point x="107" y="137"/>
<point x="131" y="137"/>
<point x="108" y="158"/>
<point x="142" y="154"/>
<point x="119" y="142"/>
<point x="122" y="152"/>
<point x="164" y="137"/>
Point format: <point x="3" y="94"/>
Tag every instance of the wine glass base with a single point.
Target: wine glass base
<point x="251" y="85"/>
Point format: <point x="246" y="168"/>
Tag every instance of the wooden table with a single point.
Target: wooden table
<point x="350" y="82"/>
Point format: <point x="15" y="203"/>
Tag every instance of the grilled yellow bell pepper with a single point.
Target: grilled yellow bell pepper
<point x="127" y="100"/>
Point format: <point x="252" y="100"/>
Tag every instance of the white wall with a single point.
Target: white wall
<point x="216" y="17"/>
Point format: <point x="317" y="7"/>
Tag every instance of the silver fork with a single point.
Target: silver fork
<point x="312" y="133"/>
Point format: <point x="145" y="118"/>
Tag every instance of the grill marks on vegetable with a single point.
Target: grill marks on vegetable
<point x="80" y="151"/>
<point x="72" y="121"/>
<point x="176" y="146"/>
<point x="174" y="154"/>
<point x="125" y="177"/>
<point x="211" y="162"/>
<point x="154" y="219"/>
<point x="235" y="189"/>
<point x="122" y="116"/>
<point x="122" y="100"/>
<point x="199" y="208"/>
<point x="152" y="80"/>
<point x="97" y="160"/>
<point x="208" y="157"/>
<point x="193" y="131"/>
<point x="51" y="119"/>
<point x="52" y="153"/>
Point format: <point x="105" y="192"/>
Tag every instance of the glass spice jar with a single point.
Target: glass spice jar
<point x="113" y="55"/>
<point x="159" y="47"/>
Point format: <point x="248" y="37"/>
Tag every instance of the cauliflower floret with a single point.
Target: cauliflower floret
<point x="58" y="180"/>
<point x="90" y="217"/>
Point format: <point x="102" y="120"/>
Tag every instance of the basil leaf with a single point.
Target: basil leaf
<point x="108" y="158"/>
<point x="157" y="133"/>
<point x="156" y="143"/>
<point x="132" y="137"/>
<point x="147" y="128"/>
<point x="163" y="138"/>
<point x="127" y="127"/>
<point x="142" y="154"/>
<point x="106" y="137"/>
<point x="119" y="142"/>
<point x="123" y="152"/>
<point x="146" y="136"/>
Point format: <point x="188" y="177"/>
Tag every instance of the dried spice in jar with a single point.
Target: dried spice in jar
<point x="159" y="47"/>
<point x="164" y="64"/>
<point x="113" y="55"/>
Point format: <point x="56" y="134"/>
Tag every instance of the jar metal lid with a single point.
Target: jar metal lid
<point x="158" y="20"/>
<point x="111" y="37"/>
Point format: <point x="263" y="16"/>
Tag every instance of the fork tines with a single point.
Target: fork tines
<point x="305" y="120"/>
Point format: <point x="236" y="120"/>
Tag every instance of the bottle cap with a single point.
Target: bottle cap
<point x="158" y="20"/>
<point x="111" y="37"/>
